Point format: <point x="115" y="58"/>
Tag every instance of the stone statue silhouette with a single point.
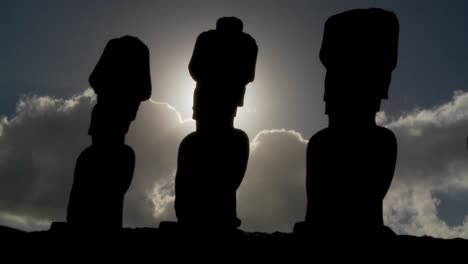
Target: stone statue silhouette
<point x="350" y="164"/>
<point x="213" y="159"/>
<point x="104" y="171"/>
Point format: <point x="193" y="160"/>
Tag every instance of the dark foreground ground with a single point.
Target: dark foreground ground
<point x="152" y="244"/>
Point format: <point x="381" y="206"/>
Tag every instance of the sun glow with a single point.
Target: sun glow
<point x="247" y="115"/>
<point x="182" y="98"/>
<point x="182" y="91"/>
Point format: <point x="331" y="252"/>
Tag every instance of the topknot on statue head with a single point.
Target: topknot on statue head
<point x="225" y="55"/>
<point x="229" y="25"/>
<point x="123" y="71"/>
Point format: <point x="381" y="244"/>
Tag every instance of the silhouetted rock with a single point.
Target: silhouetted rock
<point x="121" y="80"/>
<point x="104" y="171"/>
<point x="223" y="63"/>
<point x="102" y="177"/>
<point x="210" y="168"/>
<point x="212" y="161"/>
<point x="8" y="231"/>
<point x="142" y="243"/>
<point x="350" y="164"/>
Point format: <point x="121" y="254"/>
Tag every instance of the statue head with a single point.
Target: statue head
<point x="121" y="80"/>
<point x="359" y="50"/>
<point x="223" y="63"/>
<point x="123" y="70"/>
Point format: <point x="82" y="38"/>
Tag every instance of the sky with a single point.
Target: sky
<point x="49" y="48"/>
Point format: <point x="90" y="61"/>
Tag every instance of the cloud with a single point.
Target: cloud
<point x="432" y="167"/>
<point x="272" y="196"/>
<point x="155" y="137"/>
<point x="38" y="150"/>
<point x="40" y="143"/>
<point x="38" y="147"/>
<point x="432" y="160"/>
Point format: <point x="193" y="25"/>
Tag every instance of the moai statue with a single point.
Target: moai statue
<point x="104" y="171"/>
<point x="213" y="159"/>
<point x="350" y="164"/>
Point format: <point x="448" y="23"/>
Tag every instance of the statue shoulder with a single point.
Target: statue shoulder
<point x="241" y="135"/>
<point x="188" y="140"/>
<point x="320" y="136"/>
<point x="386" y="135"/>
<point x="127" y="152"/>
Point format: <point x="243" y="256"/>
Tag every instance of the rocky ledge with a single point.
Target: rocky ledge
<point x="146" y="243"/>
